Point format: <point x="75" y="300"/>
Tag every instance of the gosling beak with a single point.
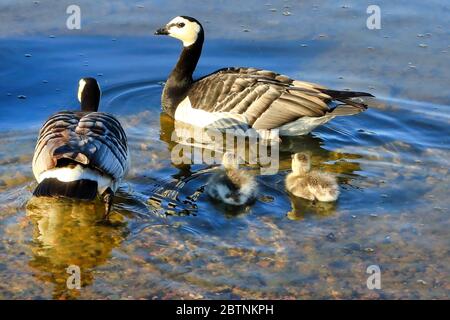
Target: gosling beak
<point x="162" y="31"/>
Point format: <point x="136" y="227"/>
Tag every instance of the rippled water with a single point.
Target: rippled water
<point x="167" y="239"/>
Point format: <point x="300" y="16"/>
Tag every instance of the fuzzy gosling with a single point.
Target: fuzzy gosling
<point x="230" y="185"/>
<point x="311" y="185"/>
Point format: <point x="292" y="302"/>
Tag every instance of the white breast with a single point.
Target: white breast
<point x="200" y="118"/>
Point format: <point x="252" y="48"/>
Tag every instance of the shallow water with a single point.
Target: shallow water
<point x="392" y="161"/>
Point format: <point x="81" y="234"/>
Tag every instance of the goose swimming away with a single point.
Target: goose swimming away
<point x="81" y="154"/>
<point x="310" y="184"/>
<point x="246" y="97"/>
<point x="230" y="185"/>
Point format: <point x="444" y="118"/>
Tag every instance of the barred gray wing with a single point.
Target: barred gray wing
<point x="95" y="139"/>
<point x="267" y="99"/>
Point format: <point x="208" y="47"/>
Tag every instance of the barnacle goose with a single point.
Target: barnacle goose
<point x="310" y="184"/>
<point x="81" y="154"/>
<point x="230" y="185"/>
<point x="246" y="97"/>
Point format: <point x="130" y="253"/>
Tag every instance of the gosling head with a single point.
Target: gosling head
<point x="301" y="163"/>
<point x="89" y="94"/>
<point x="229" y="161"/>
<point x="184" y="28"/>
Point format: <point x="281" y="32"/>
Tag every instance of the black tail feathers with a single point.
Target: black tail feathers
<point x="68" y="152"/>
<point x="79" y="189"/>
<point x="348" y="106"/>
<point x="338" y="94"/>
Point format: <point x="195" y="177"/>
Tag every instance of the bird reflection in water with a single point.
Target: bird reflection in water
<point x="302" y="208"/>
<point x="343" y="165"/>
<point x="66" y="233"/>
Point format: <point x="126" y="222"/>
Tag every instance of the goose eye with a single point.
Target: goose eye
<point x="181" y="25"/>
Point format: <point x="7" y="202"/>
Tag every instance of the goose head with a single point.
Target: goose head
<point x="89" y="94"/>
<point x="301" y="163"/>
<point x="186" y="29"/>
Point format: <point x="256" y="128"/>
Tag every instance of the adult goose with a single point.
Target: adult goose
<point x="81" y="154"/>
<point x="246" y="97"/>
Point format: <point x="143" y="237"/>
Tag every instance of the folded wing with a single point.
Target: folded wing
<point x="267" y="99"/>
<point x="93" y="139"/>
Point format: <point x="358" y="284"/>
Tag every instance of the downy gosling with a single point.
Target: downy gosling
<point x="230" y="185"/>
<point x="310" y="184"/>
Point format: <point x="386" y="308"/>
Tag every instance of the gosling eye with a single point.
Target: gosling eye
<point x="181" y="25"/>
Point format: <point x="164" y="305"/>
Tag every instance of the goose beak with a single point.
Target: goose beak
<point x="162" y="31"/>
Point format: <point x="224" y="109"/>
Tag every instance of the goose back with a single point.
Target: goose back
<point x="93" y="139"/>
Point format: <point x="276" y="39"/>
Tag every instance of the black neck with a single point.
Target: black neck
<point x="180" y="79"/>
<point x="188" y="60"/>
<point x="89" y="104"/>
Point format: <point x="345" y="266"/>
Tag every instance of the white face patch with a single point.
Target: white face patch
<point x="81" y="86"/>
<point x="187" y="33"/>
<point x="99" y="89"/>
